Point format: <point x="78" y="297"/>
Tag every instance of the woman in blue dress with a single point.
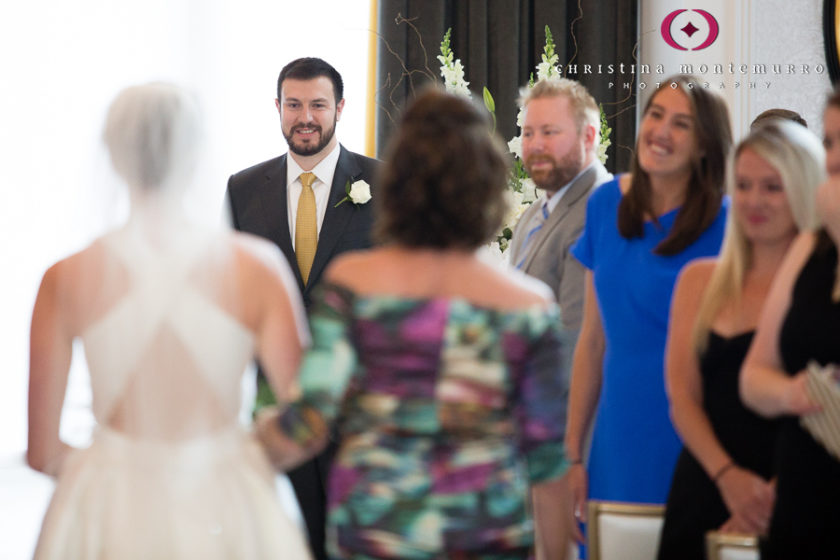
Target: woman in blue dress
<point x="641" y="228"/>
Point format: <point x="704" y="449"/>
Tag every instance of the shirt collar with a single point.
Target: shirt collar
<point x="324" y="171"/>
<point x="554" y="200"/>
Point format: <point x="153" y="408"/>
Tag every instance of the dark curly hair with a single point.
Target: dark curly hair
<point x="444" y="179"/>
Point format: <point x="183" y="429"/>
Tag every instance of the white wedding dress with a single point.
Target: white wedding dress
<point x="170" y="473"/>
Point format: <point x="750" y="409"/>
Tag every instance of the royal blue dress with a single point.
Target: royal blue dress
<point x="634" y="445"/>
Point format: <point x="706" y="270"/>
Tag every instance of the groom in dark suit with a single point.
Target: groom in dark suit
<point x="295" y="200"/>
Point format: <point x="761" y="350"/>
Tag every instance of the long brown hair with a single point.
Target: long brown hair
<point x="706" y="184"/>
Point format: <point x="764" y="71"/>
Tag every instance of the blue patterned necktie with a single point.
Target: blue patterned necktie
<point x="538" y="221"/>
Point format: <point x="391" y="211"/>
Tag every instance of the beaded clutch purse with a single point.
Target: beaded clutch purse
<point x="824" y="388"/>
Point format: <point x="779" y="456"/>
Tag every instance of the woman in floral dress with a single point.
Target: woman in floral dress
<point x="441" y="371"/>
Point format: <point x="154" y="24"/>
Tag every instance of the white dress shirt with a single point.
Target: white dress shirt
<point x="324" y="172"/>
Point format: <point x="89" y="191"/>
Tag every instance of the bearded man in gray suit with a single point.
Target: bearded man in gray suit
<point x="560" y="135"/>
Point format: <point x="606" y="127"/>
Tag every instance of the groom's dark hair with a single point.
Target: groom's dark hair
<point x="309" y="68"/>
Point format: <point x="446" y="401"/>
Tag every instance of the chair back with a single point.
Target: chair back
<point x="731" y="546"/>
<point x="623" y="531"/>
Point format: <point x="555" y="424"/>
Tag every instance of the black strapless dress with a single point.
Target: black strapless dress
<point x="806" y="519"/>
<point x="695" y="505"/>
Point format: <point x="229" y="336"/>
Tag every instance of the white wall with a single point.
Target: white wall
<point x="770" y="32"/>
<point x="780" y="30"/>
<point x="62" y="63"/>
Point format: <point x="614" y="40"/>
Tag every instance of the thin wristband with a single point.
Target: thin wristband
<point x="722" y="471"/>
<point x="575" y="462"/>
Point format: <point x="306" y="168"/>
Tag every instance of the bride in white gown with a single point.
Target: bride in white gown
<point x="169" y="314"/>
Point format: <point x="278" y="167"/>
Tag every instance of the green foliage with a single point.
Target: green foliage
<point x="605" y="128"/>
<point x="548" y="49"/>
<point x="488" y="100"/>
<point x="490" y="104"/>
<point x="444" y="45"/>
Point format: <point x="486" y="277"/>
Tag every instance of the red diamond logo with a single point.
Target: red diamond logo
<point x="689" y="29"/>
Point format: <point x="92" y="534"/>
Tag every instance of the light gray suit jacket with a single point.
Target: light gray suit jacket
<point x="548" y="256"/>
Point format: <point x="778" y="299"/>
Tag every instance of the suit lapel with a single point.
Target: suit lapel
<point x="335" y="219"/>
<point x="274" y="201"/>
<point x="576" y="190"/>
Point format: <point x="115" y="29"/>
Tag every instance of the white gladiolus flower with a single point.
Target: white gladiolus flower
<point x="462" y="90"/>
<point x="547" y="68"/>
<point x="518" y="214"/>
<point x="494" y="253"/>
<point x="529" y="190"/>
<point x="515" y="198"/>
<point x="516" y="207"/>
<point x="543" y="70"/>
<point x="453" y="77"/>
<point x="520" y="117"/>
<point x="515" y="146"/>
<point x="602" y="151"/>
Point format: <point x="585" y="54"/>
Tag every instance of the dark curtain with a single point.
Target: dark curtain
<point x="500" y="43"/>
<point x="830" y="39"/>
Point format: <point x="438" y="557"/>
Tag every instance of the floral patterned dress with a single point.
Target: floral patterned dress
<point x="447" y="411"/>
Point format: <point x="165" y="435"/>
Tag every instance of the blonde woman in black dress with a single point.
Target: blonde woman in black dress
<point x="723" y="476"/>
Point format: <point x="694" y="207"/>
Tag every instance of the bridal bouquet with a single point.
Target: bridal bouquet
<point x="521" y="188"/>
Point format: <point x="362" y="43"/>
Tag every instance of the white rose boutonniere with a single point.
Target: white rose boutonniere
<point x="357" y="193"/>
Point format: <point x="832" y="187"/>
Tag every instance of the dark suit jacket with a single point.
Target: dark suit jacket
<point x="257" y="199"/>
<point x="258" y="204"/>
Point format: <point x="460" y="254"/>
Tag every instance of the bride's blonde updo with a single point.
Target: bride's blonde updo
<point x="152" y="132"/>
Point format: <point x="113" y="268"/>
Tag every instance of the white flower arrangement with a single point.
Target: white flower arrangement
<point x="522" y="190"/>
<point x="515" y="146"/>
<point x="604" y="135"/>
<point x="548" y="67"/>
<point x="452" y="72"/>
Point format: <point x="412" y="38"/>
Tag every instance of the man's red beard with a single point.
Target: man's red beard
<point x="558" y="175"/>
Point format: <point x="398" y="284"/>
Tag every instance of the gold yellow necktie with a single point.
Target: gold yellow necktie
<point x="306" y="226"/>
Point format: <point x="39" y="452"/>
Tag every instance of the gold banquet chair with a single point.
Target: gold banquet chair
<point x="623" y="531"/>
<point x="731" y="546"/>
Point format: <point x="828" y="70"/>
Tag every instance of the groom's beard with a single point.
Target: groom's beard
<point x="308" y="149"/>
